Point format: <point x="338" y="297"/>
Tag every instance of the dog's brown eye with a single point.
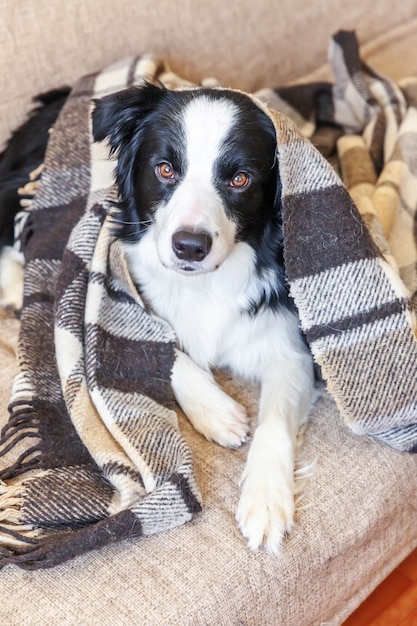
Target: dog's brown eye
<point x="240" y="181"/>
<point x="165" y="171"/>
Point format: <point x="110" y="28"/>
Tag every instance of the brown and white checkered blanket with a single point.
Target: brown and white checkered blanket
<point x="92" y="412"/>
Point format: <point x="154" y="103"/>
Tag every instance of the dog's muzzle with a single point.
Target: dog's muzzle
<point x="191" y="246"/>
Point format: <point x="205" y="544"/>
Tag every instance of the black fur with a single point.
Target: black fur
<point x="143" y="127"/>
<point x="23" y="153"/>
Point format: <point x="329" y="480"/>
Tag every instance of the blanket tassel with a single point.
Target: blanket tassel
<point x="14" y="533"/>
<point x="23" y="425"/>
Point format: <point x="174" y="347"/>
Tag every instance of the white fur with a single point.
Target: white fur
<point x="11" y="278"/>
<point x="205" y="312"/>
<point x="196" y="204"/>
<point x="205" y="309"/>
<point x="213" y="413"/>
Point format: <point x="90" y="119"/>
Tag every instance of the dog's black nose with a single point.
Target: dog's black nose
<point x="191" y="246"/>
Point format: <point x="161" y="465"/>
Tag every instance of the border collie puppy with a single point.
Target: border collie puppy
<point x="199" y="215"/>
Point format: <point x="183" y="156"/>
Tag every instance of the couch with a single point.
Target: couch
<point x="358" y="517"/>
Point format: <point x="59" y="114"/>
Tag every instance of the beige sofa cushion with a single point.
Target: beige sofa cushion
<point x="356" y="521"/>
<point x="243" y="43"/>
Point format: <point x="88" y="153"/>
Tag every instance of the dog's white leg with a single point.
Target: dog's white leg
<point x="266" y="507"/>
<point x="211" y="411"/>
<point x="11" y="278"/>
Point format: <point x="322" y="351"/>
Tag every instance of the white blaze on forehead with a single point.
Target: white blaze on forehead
<point x="206" y="124"/>
<point x="195" y="202"/>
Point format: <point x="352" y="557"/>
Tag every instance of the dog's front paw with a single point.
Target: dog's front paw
<point x="265" y="512"/>
<point x="210" y="410"/>
<point x="219" y="418"/>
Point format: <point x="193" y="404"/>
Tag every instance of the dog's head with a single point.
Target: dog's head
<point x="198" y="167"/>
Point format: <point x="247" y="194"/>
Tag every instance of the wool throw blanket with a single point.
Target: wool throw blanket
<point x="96" y="454"/>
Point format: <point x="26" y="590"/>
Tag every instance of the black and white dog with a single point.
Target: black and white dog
<point x="199" y="215"/>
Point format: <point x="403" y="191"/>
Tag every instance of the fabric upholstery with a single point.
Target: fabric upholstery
<point x="358" y="514"/>
<point x="244" y="44"/>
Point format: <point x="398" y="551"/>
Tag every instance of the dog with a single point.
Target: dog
<point x="199" y="217"/>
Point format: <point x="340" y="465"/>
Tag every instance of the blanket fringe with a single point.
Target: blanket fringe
<point x="24" y="463"/>
<point x="20" y="412"/>
<point x="13" y="531"/>
<point x="30" y="189"/>
<point x="23" y="425"/>
<point x="17" y="541"/>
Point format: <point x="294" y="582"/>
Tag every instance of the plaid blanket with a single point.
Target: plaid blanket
<point x="97" y="455"/>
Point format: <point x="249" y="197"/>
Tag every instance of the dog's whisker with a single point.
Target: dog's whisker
<point x="118" y="220"/>
<point x="305" y="471"/>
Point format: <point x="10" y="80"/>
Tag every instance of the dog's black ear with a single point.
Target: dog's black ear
<point x="118" y="115"/>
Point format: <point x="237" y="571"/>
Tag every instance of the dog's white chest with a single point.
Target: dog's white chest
<point x="205" y="311"/>
<point x="201" y="321"/>
<point x="202" y="309"/>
